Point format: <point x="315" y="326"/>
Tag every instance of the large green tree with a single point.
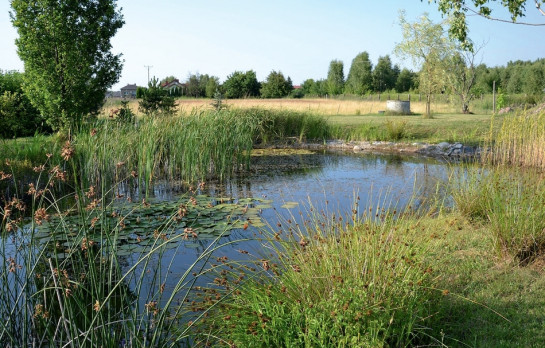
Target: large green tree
<point x="241" y="85"/>
<point x="384" y="75"/>
<point x="457" y="9"/>
<point x="276" y="86"/>
<point x="335" y="77"/>
<point x="360" y="79"/>
<point x="65" y="46"/>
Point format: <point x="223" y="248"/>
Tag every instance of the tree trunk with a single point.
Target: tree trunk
<point x="428" y="106"/>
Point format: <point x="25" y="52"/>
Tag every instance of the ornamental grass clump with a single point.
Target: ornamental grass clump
<point x="330" y="284"/>
<point x="510" y="201"/>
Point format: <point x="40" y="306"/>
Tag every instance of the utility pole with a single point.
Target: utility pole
<point x="149" y="67"/>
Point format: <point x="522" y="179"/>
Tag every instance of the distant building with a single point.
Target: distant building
<point x="129" y="91"/>
<point x="297" y="87"/>
<point x="113" y="94"/>
<point x="174" y="87"/>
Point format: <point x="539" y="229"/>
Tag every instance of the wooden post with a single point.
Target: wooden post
<point x="409" y="97"/>
<point x="494" y="97"/>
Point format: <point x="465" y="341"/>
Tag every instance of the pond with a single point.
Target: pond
<point x="289" y="186"/>
<point x="281" y="186"/>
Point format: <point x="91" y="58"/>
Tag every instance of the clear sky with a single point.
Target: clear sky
<point x="299" y="38"/>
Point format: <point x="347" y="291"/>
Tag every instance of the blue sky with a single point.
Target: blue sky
<point x="299" y="38"/>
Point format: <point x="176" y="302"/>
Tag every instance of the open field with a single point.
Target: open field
<point x="319" y="106"/>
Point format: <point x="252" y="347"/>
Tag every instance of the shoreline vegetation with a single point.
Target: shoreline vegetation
<point x="464" y="273"/>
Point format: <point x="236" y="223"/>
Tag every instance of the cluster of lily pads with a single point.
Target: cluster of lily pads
<point x="134" y="227"/>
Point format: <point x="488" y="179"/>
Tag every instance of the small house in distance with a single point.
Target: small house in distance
<point x="174" y="87"/>
<point x="129" y="91"/>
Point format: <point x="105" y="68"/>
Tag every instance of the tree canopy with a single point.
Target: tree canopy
<point x="241" y="85"/>
<point x="360" y="79"/>
<point x="335" y="77"/>
<point x="65" y="47"/>
<point x="276" y="86"/>
<point x="457" y="9"/>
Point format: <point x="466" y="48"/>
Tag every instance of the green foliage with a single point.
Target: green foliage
<point x="156" y="100"/>
<point x="66" y="51"/>
<point x="428" y="47"/>
<point x="511" y="201"/>
<point x="335" y="77"/>
<point x="315" y="88"/>
<point x="276" y="86"/>
<point x="384" y="75"/>
<point x="406" y="81"/>
<point x="217" y="104"/>
<point x="125" y="114"/>
<point x="140" y="91"/>
<point x="241" y="85"/>
<point x="457" y="9"/>
<point x="396" y="130"/>
<point x="360" y="79"/>
<point x="17" y="115"/>
<point x="212" y="86"/>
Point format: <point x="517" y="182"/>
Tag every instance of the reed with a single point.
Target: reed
<point x="520" y="141"/>
<point x="70" y="283"/>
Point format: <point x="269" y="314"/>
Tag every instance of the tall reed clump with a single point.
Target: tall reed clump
<point x="67" y="279"/>
<point x="511" y="201"/>
<point x="189" y="147"/>
<point x="330" y="284"/>
<point x="520" y="141"/>
<point x="281" y="124"/>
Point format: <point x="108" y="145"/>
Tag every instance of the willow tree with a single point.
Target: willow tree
<point x="428" y="46"/>
<point x="65" y="46"/>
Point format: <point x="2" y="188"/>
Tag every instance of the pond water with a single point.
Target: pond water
<point x="279" y="187"/>
<point x="293" y="184"/>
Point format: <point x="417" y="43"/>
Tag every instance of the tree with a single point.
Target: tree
<point x="384" y="76"/>
<point x="405" y="81"/>
<point x="462" y="76"/>
<point x="276" y="86"/>
<point x="428" y="46"/>
<point x="335" y="77"/>
<point x="156" y="100"/>
<point x="360" y="79"/>
<point x="457" y="9"/>
<point x="241" y="85"/>
<point x="212" y="86"/>
<point x="65" y="47"/>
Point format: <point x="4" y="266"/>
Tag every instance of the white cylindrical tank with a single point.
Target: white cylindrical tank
<point x="399" y="107"/>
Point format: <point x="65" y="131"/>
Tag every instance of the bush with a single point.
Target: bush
<point x="17" y="115"/>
